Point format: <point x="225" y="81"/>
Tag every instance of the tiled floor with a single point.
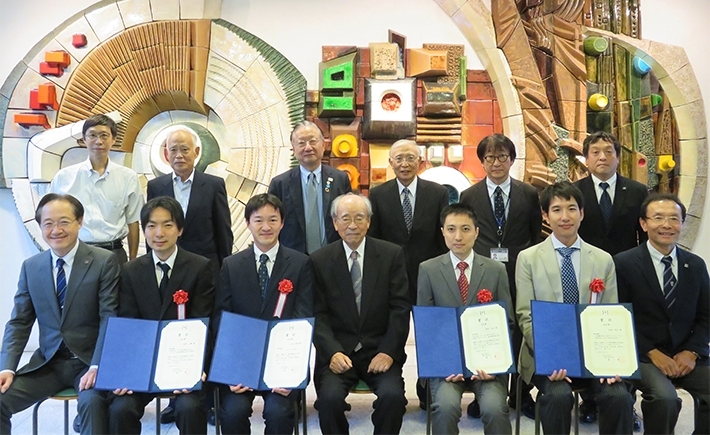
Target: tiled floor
<point x="51" y="414"/>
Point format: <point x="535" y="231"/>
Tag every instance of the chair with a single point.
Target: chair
<point x="157" y="410"/>
<point x="65" y="395"/>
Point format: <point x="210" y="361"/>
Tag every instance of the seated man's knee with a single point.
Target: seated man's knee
<point x="188" y="404"/>
<point x="278" y="409"/>
<point x="91" y="398"/>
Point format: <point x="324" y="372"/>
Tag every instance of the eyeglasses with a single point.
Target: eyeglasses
<point x="660" y="220"/>
<point x="102" y="136"/>
<point x="409" y="158"/>
<point x="62" y="224"/>
<point x="501" y="158"/>
<point x="358" y="219"/>
<point x="312" y="142"/>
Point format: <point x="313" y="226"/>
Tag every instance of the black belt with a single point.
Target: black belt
<point x="116" y="244"/>
<point x="64" y="352"/>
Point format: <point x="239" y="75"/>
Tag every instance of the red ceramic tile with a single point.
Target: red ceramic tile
<point x="480" y="91"/>
<point x="478" y="76"/>
<point x="330" y="52"/>
<point x="363" y="70"/>
<point x="364" y="161"/>
<point x="483" y="111"/>
<point x="363" y="54"/>
<point x="497" y="120"/>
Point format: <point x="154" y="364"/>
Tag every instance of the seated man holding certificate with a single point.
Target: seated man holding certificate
<point x="149" y="289"/>
<point x="462" y="278"/>
<point x="669" y="290"/>
<point x="561" y="269"/>
<point x="266" y="280"/>
<point x="362" y="310"/>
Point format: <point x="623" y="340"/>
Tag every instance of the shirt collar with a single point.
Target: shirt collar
<point x="611" y="181"/>
<point x="360" y="250"/>
<point x="412" y="186"/>
<point x="271" y="252"/>
<point x="455" y="260"/>
<point x="170" y="261"/>
<point x="87" y="166"/>
<point x="191" y="178"/>
<point x="557" y="244"/>
<point x="657" y="256"/>
<point x="317" y="171"/>
<point x="68" y="259"/>
<point x="504" y="186"/>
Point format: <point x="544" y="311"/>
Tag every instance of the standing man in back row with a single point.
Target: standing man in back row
<point x="307" y="191"/>
<point x="611" y="220"/>
<point x="509" y="220"/>
<point x="110" y="193"/>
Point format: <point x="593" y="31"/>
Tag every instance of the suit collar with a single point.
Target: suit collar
<point x="341" y="273"/>
<point x="277" y="273"/>
<point x="82" y="261"/>
<point x="296" y="191"/>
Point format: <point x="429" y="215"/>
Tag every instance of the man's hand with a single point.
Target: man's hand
<point x="239" y="389"/>
<point x="6" y="379"/>
<point x="340" y="363"/>
<point x="380" y="363"/>
<point x="454" y="378"/>
<point x="610" y="381"/>
<point x="282" y="391"/>
<point x="183" y="391"/>
<point x="665" y="364"/>
<point x="685" y="360"/>
<point x="88" y="380"/>
<point x="559" y="375"/>
<point x="122" y="391"/>
<point x="480" y="375"/>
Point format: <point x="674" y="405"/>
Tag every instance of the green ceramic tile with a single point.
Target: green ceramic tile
<point x="635" y="109"/>
<point x="646" y="108"/>
<point x="626" y="137"/>
<point x="599" y="121"/>
<point x="645" y="138"/>
<point x="645" y="83"/>
<point x="561" y="132"/>
<point x="635" y="134"/>
<point x="621" y="68"/>
<point x="591" y="64"/>
<point x="561" y="166"/>
<point x="626" y="162"/>
<point x="623" y="112"/>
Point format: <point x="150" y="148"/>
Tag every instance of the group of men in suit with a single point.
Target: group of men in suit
<point x="357" y="265"/>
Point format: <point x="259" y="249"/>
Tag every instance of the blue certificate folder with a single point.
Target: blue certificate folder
<point x="241" y="348"/>
<point x="130" y="353"/>
<point x="557" y="336"/>
<point x="437" y="332"/>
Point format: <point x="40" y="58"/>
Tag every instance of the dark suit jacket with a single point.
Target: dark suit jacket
<point x="287" y="187"/>
<point x="140" y="297"/>
<point x="239" y="291"/>
<point x="523" y="227"/>
<point x="624" y="231"/>
<point x="91" y="298"/>
<point x="208" y="223"/>
<point x="687" y="325"/>
<point x="426" y="240"/>
<point x="383" y="323"/>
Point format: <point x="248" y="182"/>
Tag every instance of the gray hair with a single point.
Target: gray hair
<point x="405" y="142"/>
<point x="189" y="131"/>
<point x="303" y="124"/>
<point x="336" y="202"/>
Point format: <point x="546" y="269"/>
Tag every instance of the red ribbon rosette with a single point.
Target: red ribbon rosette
<point x="596" y="287"/>
<point x="180" y="297"/>
<point x="484" y="296"/>
<point x="285" y="287"/>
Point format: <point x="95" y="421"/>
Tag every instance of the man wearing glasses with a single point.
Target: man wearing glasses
<point x="509" y="221"/>
<point x="110" y="193"/>
<point x="361" y="307"/>
<point x="669" y="289"/>
<point x="306" y="192"/>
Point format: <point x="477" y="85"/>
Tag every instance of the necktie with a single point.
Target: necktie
<point x="356" y="276"/>
<point x="463" y="282"/>
<point x="499" y="209"/>
<point x="407" y="209"/>
<point x="570" y="291"/>
<point x="605" y="202"/>
<point x="61" y="283"/>
<point x="263" y="274"/>
<point x="163" y="287"/>
<point x="313" y="236"/>
<point x="669" y="281"/>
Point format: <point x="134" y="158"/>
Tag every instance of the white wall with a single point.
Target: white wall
<point x="298" y="29"/>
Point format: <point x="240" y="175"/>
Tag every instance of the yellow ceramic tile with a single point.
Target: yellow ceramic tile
<point x="687" y="186"/>
<point x="690" y="119"/>
<point x="80" y="26"/>
<point x="689" y="158"/>
<point x="231" y="47"/>
<point x="106" y="21"/>
<point x="687" y="84"/>
<point x="165" y="9"/>
<point x="475" y="22"/>
<point x="451" y="6"/>
<point x="135" y="12"/>
<point x="517" y="170"/>
<point x="508" y="98"/>
<point x="269" y="92"/>
<point x="14" y="157"/>
<point x="514" y="128"/>
<point x="670" y="57"/>
<point x="199" y="9"/>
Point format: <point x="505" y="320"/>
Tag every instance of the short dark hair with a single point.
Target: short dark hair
<point x="601" y="136"/>
<point x="562" y="189"/>
<point x="261" y="200"/>
<point x="76" y="206"/>
<point x="99" y="120"/>
<point x="493" y="143"/>
<point x="458" y="208"/>
<point x="656" y="197"/>
<point x="170" y="204"/>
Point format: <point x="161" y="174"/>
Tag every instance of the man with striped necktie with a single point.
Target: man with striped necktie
<point x="668" y="287"/>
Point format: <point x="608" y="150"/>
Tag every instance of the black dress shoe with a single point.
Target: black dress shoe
<point x="587" y="412"/>
<point x="527" y="408"/>
<point x="210" y="417"/>
<point x="76" y="425"/>
<point x="474" y="409"/>
<point x="167" y="415"/>
<point x="637" y="422"/>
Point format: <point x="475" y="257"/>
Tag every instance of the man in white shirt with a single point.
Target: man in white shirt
<point x="110" y="193"/>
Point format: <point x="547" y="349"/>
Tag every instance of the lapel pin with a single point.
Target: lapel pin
<point x="86" y="261"/>
<point x="685" y="265"/>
